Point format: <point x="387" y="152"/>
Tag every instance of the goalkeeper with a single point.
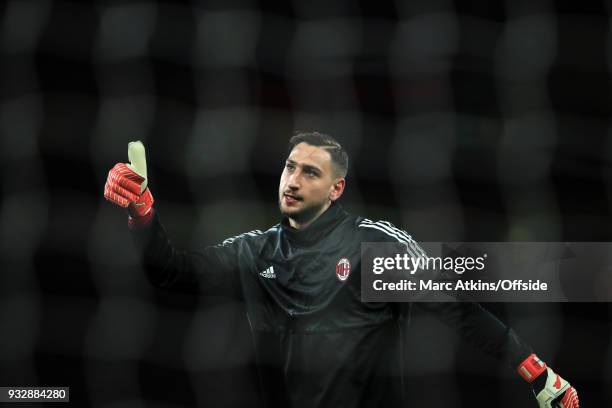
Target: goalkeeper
<point x="316" y="343"/>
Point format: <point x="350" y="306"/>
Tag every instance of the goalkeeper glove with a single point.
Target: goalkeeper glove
<point x="550" y="389"/>
<point x="126" y="186"/>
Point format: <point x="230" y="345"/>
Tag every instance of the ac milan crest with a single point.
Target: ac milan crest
<point x="343" y="269"/>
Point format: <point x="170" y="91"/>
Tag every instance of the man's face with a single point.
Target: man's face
<point x="308" y="183"/>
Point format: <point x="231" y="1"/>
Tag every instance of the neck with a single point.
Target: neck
<point x="303" y="224"/>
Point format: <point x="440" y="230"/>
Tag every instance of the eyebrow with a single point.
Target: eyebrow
<point x="306" y="166"/>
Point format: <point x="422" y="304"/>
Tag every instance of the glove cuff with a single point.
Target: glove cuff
<point x="531" y="368"/>
<point x="141" y="207"/>
<point x="141" y="211"/>
<point x="140" y="221"/>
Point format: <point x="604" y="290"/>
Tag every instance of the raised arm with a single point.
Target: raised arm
<point x="212" y="270"/>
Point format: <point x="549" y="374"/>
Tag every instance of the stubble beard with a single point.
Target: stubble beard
<point x="304" y="215"/>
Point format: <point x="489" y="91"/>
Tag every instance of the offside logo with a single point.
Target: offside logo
<point x="343" y="269"/>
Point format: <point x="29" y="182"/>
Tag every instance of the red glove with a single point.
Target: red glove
<point x="552" y="390"/>
<point x="126" y="186"/>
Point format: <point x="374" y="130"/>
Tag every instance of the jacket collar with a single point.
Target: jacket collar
<point x="318" y="229"/>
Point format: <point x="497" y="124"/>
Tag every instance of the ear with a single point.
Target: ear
<point x="337" y="189"/>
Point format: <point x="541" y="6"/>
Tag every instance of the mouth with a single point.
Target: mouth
<point x="291" y="199"/>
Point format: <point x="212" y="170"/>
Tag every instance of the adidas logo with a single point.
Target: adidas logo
<point x="268" y="273"/>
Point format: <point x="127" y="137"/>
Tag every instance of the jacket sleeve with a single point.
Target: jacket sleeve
<point x="481" y="328"/>
<point x="212" y="270"/>
<point x="474" y="323"/>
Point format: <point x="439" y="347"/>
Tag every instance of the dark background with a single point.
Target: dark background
<point x="464" y="121"/>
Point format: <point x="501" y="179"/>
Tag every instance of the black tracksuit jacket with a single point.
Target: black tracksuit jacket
<point x="316" y="343"/>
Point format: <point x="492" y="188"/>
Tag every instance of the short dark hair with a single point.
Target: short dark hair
<point x="339" y="157"/>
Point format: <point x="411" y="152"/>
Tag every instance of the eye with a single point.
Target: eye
<point x="311" y="173"/>
<point x="289" y="166"/>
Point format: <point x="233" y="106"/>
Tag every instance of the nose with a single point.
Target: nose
<point x="293" y="180"/>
